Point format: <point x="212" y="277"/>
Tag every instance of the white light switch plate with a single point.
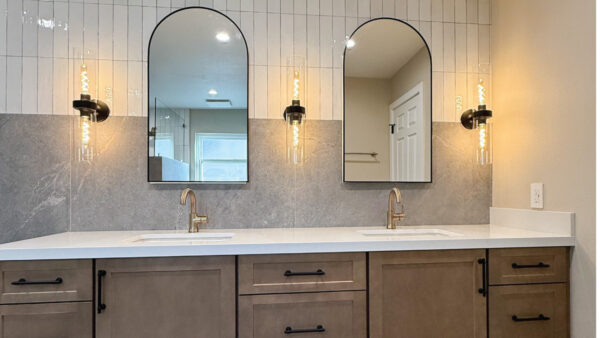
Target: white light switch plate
<point x="537" y="196"/>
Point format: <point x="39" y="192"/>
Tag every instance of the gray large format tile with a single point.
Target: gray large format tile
<point x="34" y="176"/>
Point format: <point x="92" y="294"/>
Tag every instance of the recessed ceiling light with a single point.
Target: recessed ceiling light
<point x="350" y="43"/>
<point x="223" y="37"/>
<point x="212" y="92"/>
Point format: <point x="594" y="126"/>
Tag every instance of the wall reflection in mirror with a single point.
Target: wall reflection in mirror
<point x="387" y="107"/>
<point x="198" y="99"/>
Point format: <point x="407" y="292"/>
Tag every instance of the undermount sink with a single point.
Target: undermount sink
<point x="183" y="237"/>
<point x="409" y="232"/>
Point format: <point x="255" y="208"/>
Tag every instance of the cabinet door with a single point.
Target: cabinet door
<point x="322" y="314"/>
<point x="166" y="297"/>
<point x="49" y="320"/>
<point x="427" y="294"/>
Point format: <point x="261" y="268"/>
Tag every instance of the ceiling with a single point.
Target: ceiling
<point x="381" y="48"/>
<point x="186" y="61"/>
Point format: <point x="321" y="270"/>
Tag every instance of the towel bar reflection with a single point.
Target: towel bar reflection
<point x="370" y="154"/>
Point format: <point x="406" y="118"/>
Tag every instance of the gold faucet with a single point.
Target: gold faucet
<point x="392" y="216"/>
<point x="195" y="220"/>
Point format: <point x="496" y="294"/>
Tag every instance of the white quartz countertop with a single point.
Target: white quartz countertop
<point x="115" y="244"/>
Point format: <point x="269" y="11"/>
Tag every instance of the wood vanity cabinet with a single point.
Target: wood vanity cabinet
<point x="166" y="297"/>
<point x="427" y="294"/>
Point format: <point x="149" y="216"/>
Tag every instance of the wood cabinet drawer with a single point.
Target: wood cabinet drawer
<point x="49" y="320"/>
<point x="46" y="281"/>
<point x="529" y="311"/>
<point x="529" y="265"/>
<point x="324" y="314"/>
<point x="301" y="273"/>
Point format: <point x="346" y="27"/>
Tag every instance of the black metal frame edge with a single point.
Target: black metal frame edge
<point x="430" y="103"/>
<point x="247" y="103"/>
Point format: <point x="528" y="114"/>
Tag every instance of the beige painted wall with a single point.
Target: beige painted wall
<point x="543" y="52"/>
<point x="367" y="119"/>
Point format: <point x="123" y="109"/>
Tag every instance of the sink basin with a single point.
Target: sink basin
<point x="410" y="232"/>
<point x="183" y="237"/>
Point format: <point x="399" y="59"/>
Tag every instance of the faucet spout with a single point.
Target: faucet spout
<point x="195" y="220"/>
<point x="394" y="198"/>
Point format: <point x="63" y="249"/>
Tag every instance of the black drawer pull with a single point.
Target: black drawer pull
<point x="530" y="266"/>
<point x="101" y="306"/>
<point x="289" y="273"/>
<point x="24" y="281"/>
<point x="483" y="287"/>
<point x="529" y="319"/>
<point x="289" y="330"/>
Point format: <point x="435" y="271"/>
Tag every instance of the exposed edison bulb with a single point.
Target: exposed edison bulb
<point x="481" y="92"/>
<point x="85" y="80"/>
<point x="295" y="141"/>
<point x="296" y="95"/>
<point x="86" y="130"/>
<point x="484" y="149"/>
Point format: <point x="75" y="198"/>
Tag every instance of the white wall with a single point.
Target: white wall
<point x="543" y="53"/>
<point x="36" y="71"/>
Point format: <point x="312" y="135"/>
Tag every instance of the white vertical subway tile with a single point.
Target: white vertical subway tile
<point x="144" y="89"/>
<point x="247" y="5"/>
<point x="260" y="39"/>
<point x="338" y="93"/>
<point x="105" y="32"/>
<point x="287" y="6"/>
<point x="312" y="38"/>
<point x="149" y="19"/>
<point x="61" y="33"/>
<point x="300" y="36"/>
<point x="326" y="41"/>
<point x="460" y="11"/>
<point x="448" y="10"/>
<point x="75" y="29"/>
<point x="45" y="34"/>
<point x="472" y="48"/>
<point x="460" y="95"/>
<point x="220" y="5"/>
<point x="483" y="7"/>
<point x="438" y="96"/>
<point x="30" y="27"/>
<point x="339" y="41"/>
<point x="325" y="7"/>
<point x="210" y="4"/>
<point x="134" y="34"/>
<point x="3" y="26"/>
<point x="30" y="85"/>
<point x="449" y="55"/>
<point x="325" y="100"/>
<point x="351" y="8"/>
<point x="388" y="8"/>
<point x="120" y="32"/>
<point x="120" y="87"/>
<point x="299" y="6"/>
<point x="460" y="38"/>
<point x="273" y="92"/>
<point x="401" y="8"/>
<point x="251" y="92"/>
<point x="44" y="85"/>
<point x="273" y="6"/>
<point x="425" y="29"/>
<point x="247" y="28"/>
<point x="132" y="2"/>
<point x="283" y="90"/>
<point x="71" y="78"/>
<point x="105" y="82"/>
<point x="189" y="3"/>
<point x="274" y="39"/>
<point x="161" y="13"/>
<point x="339" y="8"/>
<point x="152" y="3"/>
<point x="415" y="24"/>
<point x="484" y="44"/>
<point x="163" y="3"/>
<point x="364" y="8"/>
<point x="287" y="37"/>
<point x="234" y="5"/>
<point x="175" y="4"/>
<point x="60" y="87"/>
<point x="472" y="97"/>
<point x="351" y="25"/>
<point x="449" y="97"/>
<point x="90" y="29"/>
<point x="313" y="110"/>
<point x="2" y="84"/>
<point x="437" y="10"/>
<point x="425" y="10"/>
<point x="260" y="92"/>
<point x="363" y="20"/>
<point x="312" y="7"/>
<point x="413" y="9"/>
<point x="437" y="46"/>
<point x="376" y="8"/>
<point x="472" y="11"/>
<point x="260" y="6"/>
<point x="235" y="16"/>
<point x="134" y="88"/>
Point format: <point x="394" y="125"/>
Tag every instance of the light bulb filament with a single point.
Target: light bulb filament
<point x="296" y="85"/>
<point x="481" y="92"/>
<point x="482" y="136"/>
<point x="85" y="81"/>
<point x="85" y="131"/>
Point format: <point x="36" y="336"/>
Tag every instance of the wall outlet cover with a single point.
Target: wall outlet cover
<point x="537" y="196"/>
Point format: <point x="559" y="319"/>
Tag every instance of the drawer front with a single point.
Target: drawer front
<point x="325" y="314"/>
<point x="529" y="311"/>
<point x="49" y="320"/>
<point x="529" y="265"/>
<point x="46" y="281"/>
<point x="300" y="273"/>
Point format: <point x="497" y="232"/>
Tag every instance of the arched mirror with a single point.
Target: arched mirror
<point x="197" y="99"/>
<point x="387" y="104"/>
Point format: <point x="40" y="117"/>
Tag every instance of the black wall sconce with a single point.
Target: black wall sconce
<point x="479" y="120"/>
<point x="295" y="113"/>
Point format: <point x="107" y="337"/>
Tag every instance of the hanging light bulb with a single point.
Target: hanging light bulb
<point x="294" y="114"/>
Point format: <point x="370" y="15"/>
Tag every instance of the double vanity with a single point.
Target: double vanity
<point x="499" y="280"/>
